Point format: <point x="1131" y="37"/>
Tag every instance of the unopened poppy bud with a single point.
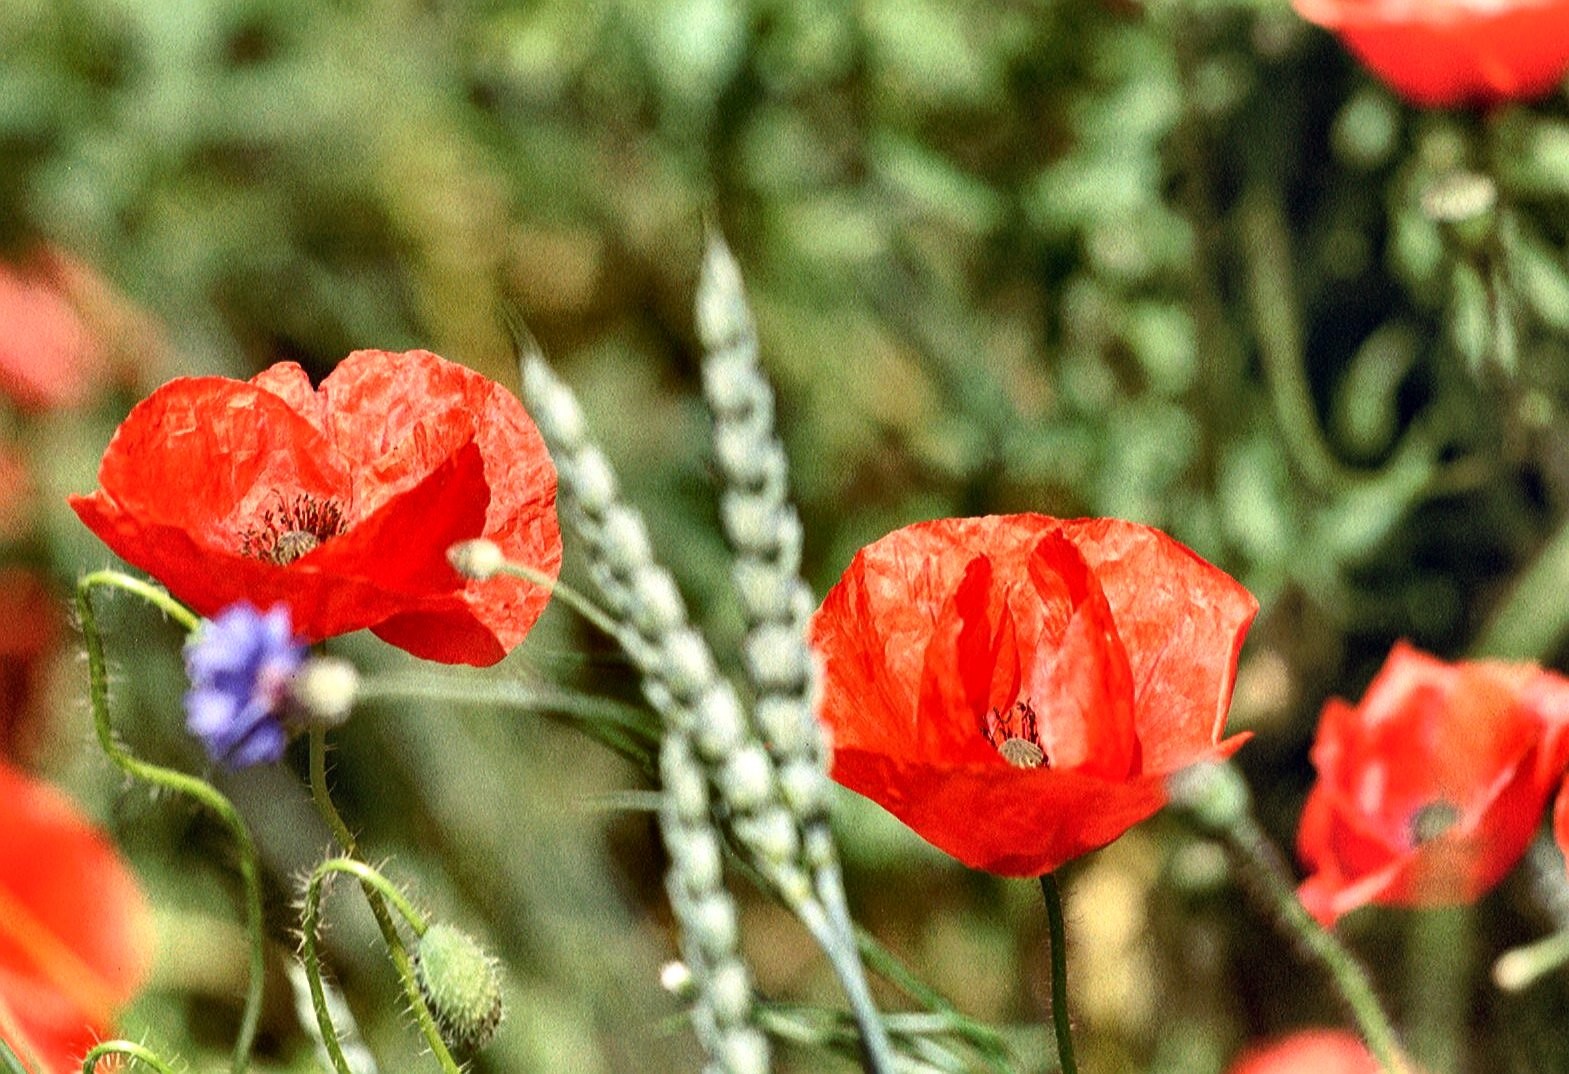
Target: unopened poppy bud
<point x="461" y="984"/>
<point x="478" y="559"/>
<point x="323" y="691"/>
<point x="1213" y="793"/>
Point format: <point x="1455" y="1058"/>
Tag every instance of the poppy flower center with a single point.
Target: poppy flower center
<point x="1016" y="736"/>
<point x="292" y="529"/>
<point x="1432" y="821"/>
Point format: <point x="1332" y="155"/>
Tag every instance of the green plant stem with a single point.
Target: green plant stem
<point x="578" y="601"/>
<point x="179" y="782"/>
<point x="389" y="930"/>
<point x="1271" y="295"/>
<point x="310" y="927"/>
<point x="1057" y="932"/>
<point x="1438" y="985"/>
<point x="1270" y="881"/>
<point x="978" y="1035"/>
<point x="130" y="1050"/>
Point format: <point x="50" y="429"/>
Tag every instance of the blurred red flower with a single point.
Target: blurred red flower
<point x="1431" y="788"/>
<point x="1449" y="52"/>
<point x="31" y="626"/>
<point x="1017" y="688"/>
<point x="1311" y="1051"/>
<point x="76" y="937"/>
<point x="49" y="357"/>
<point x="339" y="502"/>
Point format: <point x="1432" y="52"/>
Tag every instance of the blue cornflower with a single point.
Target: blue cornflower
<point x="241" y="663"/>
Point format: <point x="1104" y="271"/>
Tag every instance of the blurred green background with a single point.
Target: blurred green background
<point x="1178" y="262"/>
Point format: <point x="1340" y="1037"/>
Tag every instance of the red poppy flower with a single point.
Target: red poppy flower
<point x="31" y="626"/>
<point x="1018" y="688"/>
<point x="1448" y="52"/>
<point x="1431" y="788"/>
<point x="339" y="502"/>
<point x="76" y="937"/>
<point x="49" y="358"/>
<point x="1311" y="1051"/>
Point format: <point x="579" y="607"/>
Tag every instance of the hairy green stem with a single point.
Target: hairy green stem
<point x="1058" y="938"/>
<point x="1438" y="980"/>
<point x="373" y="895"/>
<point x="1259" y="856"/>
<point x="310" y="927"/>
<point x="128" y="1049"/>
<point x="179" y="782"/>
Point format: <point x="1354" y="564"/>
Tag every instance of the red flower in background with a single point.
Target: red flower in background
<point x="49" y="357"/>
<point x="1311" y="1051"/>
<point x="76" y="937"/>
<point x="1431" y="788"/>
<point x="1448" y="52"/>
<point x="1017" y="688"/>
<point x="339" y="502"/>
<point x="31" y="626"/>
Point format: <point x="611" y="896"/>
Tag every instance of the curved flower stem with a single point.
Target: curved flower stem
<point x="1218" y="802"/>
<point x="1266" y="241"/>
<point x="373" y="895"/>
<point x="309" y="927"/>
<point x="1058" y="934"/>
<point x="579" y="602"/>
<point x="129" y="1049"/>
<point x="179" y="782"/>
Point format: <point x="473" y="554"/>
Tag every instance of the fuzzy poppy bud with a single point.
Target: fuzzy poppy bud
<point x="323" y="691"/>
<point x="478" y="559"/>
<point x="462" y="985"/>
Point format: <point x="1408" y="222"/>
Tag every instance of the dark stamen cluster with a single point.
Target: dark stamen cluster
<point x="1016" y="735"/>
<point x="293" y="528"/>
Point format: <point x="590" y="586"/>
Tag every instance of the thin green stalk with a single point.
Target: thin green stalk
<point x="1266" y="243"/>
<point x="1249" y="843"/>
<point x="310" y="928"/>
<point x="128" y="1049"/>
<point x="389" y="930"/>
<point x="1058" y="938"/>
<point x="978" y="1035"/>
<point x="578" y="601"/>
<point x="1438" y="985"/>
<point x="179" y="782"/>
